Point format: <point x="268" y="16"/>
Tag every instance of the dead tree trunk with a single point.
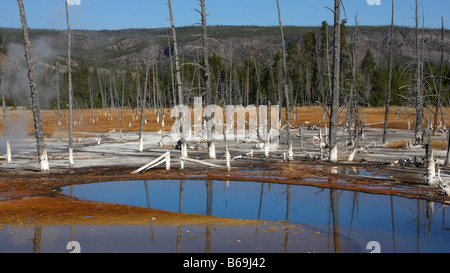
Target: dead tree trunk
<point x="111" y="96"/>
<point x="286" y="90"/>
<point x="40" y="141"/>
<point x="121" y="104"/>
<point x="70" y="92"/>
<point x="91" y="98"/>
<point x="143" y="103"/>
<point x="101" y="91"/>
<point x="5" y="124"/>
<point x="329" y="76"/>
<point x="438" y="95"/>
<point x="177" y="60"/>
<point x="448" y="149"/>
<point x="419" y="94"/>
<point x="388" y="92"/>
<point x="154" y="72"/>
<point x="116" y="94"/>
<point x="138" y="92"/>
<point x="174" y="95"/>
<point x="247" y="83"/>
<point x="178" y="77"/>
<point x="57" y="93"/>
<point x="335" y="91"/>
<point x="356" y="142"/>
<point x="207" y="73"/>
<point x="352" y="112"/>
<point x="431" y="170"/>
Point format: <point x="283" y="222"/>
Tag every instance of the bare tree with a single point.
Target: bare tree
<point x="143" y="103"/>
<point x="5" y="123"/>
<point x="419" y="93"/>
<point x="101" y="91"/>
<point x="91" y="98"/>
<point x="327" y="55"/>
<point x="111" y="97"/>
<point x="335" y="91"/>
<point x="352" y="106"/>
<point x="57" y="93"/>
<point x="177" y="76"/>
<point x="39" y="132"/>
<point x="440" y="86"/>
<point x="70" y="90"/>
<point x="431" y="166"/>
<point x="121" y="105"/>
<point x="448" y="149"/>
<point x="207" y="73"/>
<point x="176" y="55"/>
<point x="286" y="90"/>
<point x="388" y="92"/>
<point x="439" y="91"/>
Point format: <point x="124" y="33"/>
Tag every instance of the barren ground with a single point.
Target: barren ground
<point x="29" y="197"/>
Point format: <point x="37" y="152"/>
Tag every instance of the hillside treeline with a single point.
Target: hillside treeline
<point x="242" y="77"/>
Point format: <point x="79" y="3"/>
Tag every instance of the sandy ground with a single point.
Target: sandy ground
<point x="29" y="197"/>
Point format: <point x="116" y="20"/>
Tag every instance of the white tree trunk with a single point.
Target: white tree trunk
<point x="70" y="92"/>
<point x="5" y="124"/>
<point x="141" y="143"/>
<point x="143" y="102"/>
<point x="212" y="150"/>
<point x="431" y="171"/>
<point x="43" y="160"/>
<point x="8" y="152"/>
<point x="184" y="149"/>
<point x="40" y="142"/>
<point x="285" y="86"/>
<point x="333" y="154"/>
<point x="227" y="155"/>
<point x="71" y="157"/>
<point x="335" y="92"/>
<point x="266" y="146"/>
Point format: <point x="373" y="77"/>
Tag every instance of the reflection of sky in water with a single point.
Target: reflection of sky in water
<point x="309" y="205"/>
<point x="165" y="239"/>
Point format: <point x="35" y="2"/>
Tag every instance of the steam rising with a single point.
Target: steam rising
<point x="15" y="78"/>
<point x="17" y="88"/>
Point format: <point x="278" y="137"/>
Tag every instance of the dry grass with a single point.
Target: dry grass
<point x="373" y="117"/>
<point x="22" y="120"/>
<point x="104" y="122"/>
<point x="403" y="144"/>
<point x="440" y="144"/>
<point x="399" y="144"/>
<point x="305" y="116"/>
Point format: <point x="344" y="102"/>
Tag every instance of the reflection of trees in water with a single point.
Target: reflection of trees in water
<point x="419" y="217"/>
<point x="37" y="239"/>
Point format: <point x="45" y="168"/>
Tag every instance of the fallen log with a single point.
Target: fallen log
<point x="241" y="156"/>
<point x="158" y="161"/>
<point x="182" y="159"/>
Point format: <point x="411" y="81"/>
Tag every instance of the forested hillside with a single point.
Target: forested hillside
<point x="245" y="63"/>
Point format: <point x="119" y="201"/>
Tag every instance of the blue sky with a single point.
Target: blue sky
<point x="120" y="14"/>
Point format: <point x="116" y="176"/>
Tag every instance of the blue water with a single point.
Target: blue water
<point x="399" y="224"/>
